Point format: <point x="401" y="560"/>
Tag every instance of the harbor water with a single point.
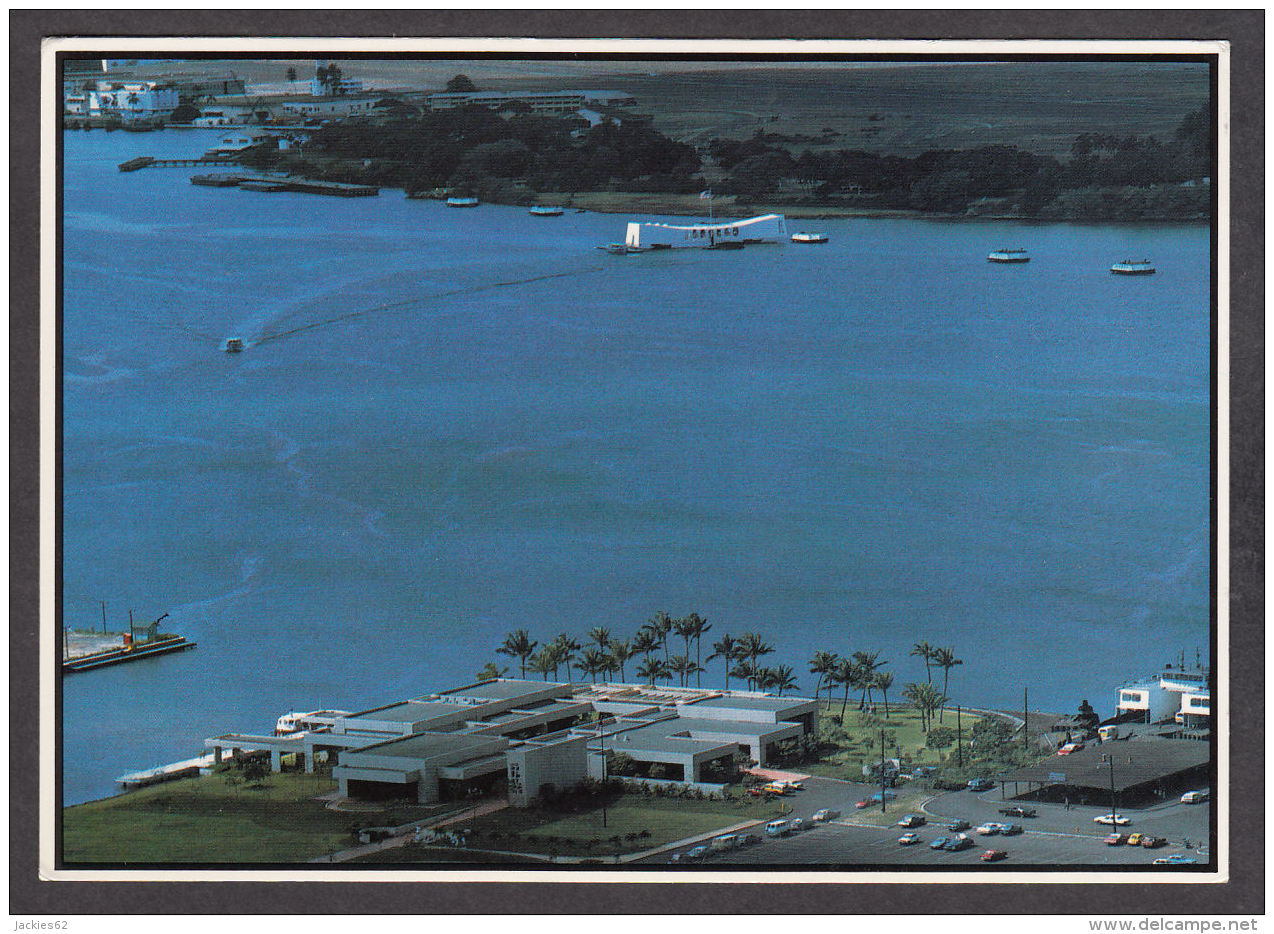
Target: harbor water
<point x="450" y="424"/>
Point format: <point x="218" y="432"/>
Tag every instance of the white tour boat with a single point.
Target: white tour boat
<point x="1129" y="267"/>
<point x="462" y="202"/>
<point x="295" y="722"/>
<point x="546" y="211"/>
<point x="1008" y="256"/>
<point x="804" y="237"/>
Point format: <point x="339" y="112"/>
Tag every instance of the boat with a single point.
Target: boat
<point x="1129" y="267"/>
<point x="294" y="722"/>
<point x="726" y="245"/>
<point x="616" y="249"/>
<point x="804" y="237"/>
<point x="546" y="211"/>
<point x="462" y="202"/>
<point x="1003" y="255"/>
<point x="233" y="345"/>
<point x="767" y="228"/>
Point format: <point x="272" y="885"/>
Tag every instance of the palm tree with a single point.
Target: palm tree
<point x="685" y="628"/>
<point x="867" y="663"/>
<point x="682" y="666"/>
<point x="491" y="671"/>
<point x="518" y="645"/>
<point x="644" y="643"/>
<point x="884" y="681"/>
<point x="725" y="648"/>
<point x="946" y="660"/>
<point x="593" y="661"/>
<point x="652" y="669"/>
<point x="567" y="647"/>
<point x="925" y="651"/>
<point x="620" y="653"/>
<point x="926" y="699"/>
<point x="746" y="670"/>
<point x="752" y="647"/>
<point x="845" y="673"/>
<point x="698" y="626"/>
<point x="544" y="662"/>
<point x="784" y="679"/>
<point x="600" y="635"/>
<point x="822" y="665"/>
<point x="660" y="626"/>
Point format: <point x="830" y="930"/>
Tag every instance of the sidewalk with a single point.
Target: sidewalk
<point x="343" y="856"/>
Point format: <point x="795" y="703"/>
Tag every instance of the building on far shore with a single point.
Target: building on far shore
<point x="526" y="735"/>
<point x="540" y="102"/>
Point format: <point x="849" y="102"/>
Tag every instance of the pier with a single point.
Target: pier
<point x="275" y="183"/>
<point x="127" y="653"/>
<point x="150" y="162"/>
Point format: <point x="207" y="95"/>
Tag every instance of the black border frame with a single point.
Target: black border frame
<point x="1244" y="29"/>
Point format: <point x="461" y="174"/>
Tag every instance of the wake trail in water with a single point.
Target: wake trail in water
<point x="410" y="302"/>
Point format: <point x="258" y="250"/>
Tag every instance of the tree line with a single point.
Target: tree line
<point x="651" y="653"/>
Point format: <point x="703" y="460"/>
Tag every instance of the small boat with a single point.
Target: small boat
<point x="1129" y="267"/>
<point x="233" y="345"/>
<point x="616" y="249"/>
<point x="725" y="245"/>
<point x="546" y="211"/>
<point x="804" y="237"/>
<point x="462" y="202"/>
<point x="1008" y="256"/>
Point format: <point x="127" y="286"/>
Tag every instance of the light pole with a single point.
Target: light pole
<point x="959" y="739"/>
<point x="882" y="771"/>
<point x="1111" y="760"/>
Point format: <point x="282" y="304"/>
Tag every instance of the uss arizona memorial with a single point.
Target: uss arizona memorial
<point x="528" y="734"/>
<point x="768" y="228"/>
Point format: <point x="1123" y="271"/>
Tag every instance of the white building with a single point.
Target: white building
<point x="311" y="105"/>
<point x="1179" y="695"/>
<point x="132" y="99"/>
<point x="768" y="228"/>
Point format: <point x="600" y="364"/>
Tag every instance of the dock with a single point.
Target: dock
<point x="186" y="768"/>
<point x="127" y="653"/>
<point x="150" y="162"/>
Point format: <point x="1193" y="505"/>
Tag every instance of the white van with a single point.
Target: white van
<point x="1108" y="732"/>
<point x="1194" y="797"/>
<point x="727" y="841"/>
<point x="778" y="828"/>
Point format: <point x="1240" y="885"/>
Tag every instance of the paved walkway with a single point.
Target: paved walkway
<point x="773" y="775"/>
<point x="353" y="852"/>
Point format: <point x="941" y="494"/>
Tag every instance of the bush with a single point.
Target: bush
<point x="940" y="737"/>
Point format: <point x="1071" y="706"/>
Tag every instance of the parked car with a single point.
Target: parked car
<point x="1010" y="830"/>
<point x="980" y="784"/>
<point x="727" y="841"/>
<point x="957" y="825"/>
<point x="1135" y="839"/>
<point x="1152" y="843"/>
<point x="758" y="792"/>
<point x="1115" y="839"/>
<point x="938" y="843"/>
<point x="911" y="820"/>
<point x="798" y="825"/>
<point x="792" y="785"/>
<point x="697" y="853"/>
<point x="923" y="771"/>
<point x="1069" y="748"/>
<point x="1109" y="732"/>
<point x="775" y="788"/>
<point x="909" y="839"/>
<point x="1176" y="859"/>
<point x="1018" y="811"/>
<point x="1194" y="797"/>
<point x="1115" y="820"/>
<point x="994" y="856"/>
<point x="825" y="814"/>
<point x="958" y="843"/>
<point x="859" y="805"/>
<point x="987" y="830"/>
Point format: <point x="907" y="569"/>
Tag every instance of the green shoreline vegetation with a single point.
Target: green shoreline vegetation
<point x="625" y="164"/>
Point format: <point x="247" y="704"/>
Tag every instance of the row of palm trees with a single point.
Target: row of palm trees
<point x="602" y="656"/>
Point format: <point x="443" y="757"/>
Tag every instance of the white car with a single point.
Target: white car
<point x="987" y="830"/>
<point x="1194" y="797"/>
<point x="909" y="839"/>
<point x="1117" y="820"/>
<point x="825" y="814"/>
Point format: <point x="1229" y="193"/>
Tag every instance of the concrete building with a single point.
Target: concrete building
<point x="130" y="99"/>
<point x="319" y="106"/>
<point x="525" y="735"/>
<point x="1179" y="695"/>
<point x="540" y="102"/>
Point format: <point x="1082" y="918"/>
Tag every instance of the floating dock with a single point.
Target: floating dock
<point x="127" y="654"/>
<point x="149" y="162"/>
<point x="187" y="768"/>
<point x="269" y="183"/>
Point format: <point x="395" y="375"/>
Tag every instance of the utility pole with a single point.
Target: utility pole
<point x="1111" y="760"/>
<point x="882" y="771"/>
<point x="1026" y="708"/>
<point x="601" y="736"/>
<point x="959" y="739"/>
<point x="103" y="617"/>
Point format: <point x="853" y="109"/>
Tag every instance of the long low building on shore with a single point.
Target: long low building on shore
<point x="528" y="735"/>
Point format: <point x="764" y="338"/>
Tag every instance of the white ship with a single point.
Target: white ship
<point x="1004" y="255"/>
<point x="768" y="228"/>
<point x="294" y="722"/>
<point x="1129" y="267"/>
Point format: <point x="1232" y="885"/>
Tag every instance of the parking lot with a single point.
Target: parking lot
<point x="1056" y="836"/>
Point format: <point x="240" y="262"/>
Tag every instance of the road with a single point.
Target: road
<point x="1055" y="837"/>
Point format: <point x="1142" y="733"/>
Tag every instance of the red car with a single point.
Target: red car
<point x="862" y="804"/>
<point x="1115" y="839"/>
<point x="994" y="856"/>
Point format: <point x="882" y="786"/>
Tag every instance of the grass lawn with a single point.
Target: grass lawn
<point x="438" y="854"/>
<point x="211" y="820"/>
<point x="854" y="740"/>
<point x="580" y="832"/>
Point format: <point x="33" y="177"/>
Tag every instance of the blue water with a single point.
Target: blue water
<point x="458" y="423"/>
